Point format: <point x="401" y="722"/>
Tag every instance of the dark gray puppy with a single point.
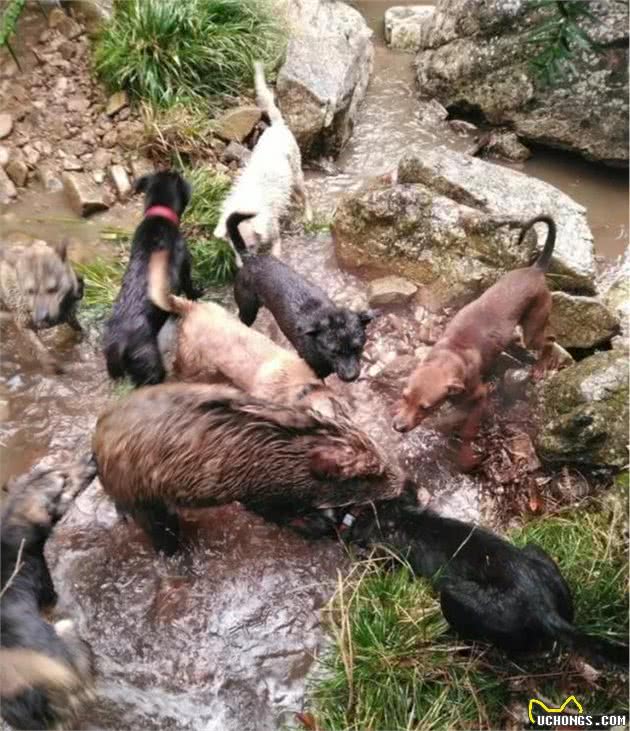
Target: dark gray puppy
<point x="329" y="338"/>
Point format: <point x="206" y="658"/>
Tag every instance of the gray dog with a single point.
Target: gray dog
<point x="39" y="289"/>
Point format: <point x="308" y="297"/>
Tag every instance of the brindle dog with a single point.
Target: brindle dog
<point x="39" y="289"/>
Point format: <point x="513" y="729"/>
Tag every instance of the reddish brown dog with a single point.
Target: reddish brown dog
<point x="455" y="366"/>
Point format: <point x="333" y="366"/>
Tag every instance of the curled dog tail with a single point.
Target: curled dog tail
<point x="159" y="287"/>
<point x="594" y="649"/>
<point x="264" y="95"/>
<point x="234" y="220"/>
<point x="23" y="669"/>
<point x="543" y="260"/>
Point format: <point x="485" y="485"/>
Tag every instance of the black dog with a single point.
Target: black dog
<point x="130" y="339"/>
<point x="490" y="590"/>
<point x="46" y="670"/>
<point x="329" y="338"/>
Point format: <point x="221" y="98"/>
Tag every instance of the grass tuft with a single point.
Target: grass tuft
<point x="174" y="51"/>
<point x="179" y="131"/>
<point x="394" y="664"/>
<point x="102" y="279"/>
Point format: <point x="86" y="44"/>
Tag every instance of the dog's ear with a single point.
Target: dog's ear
<point x="141" y="184"/>
<point x="455" y="387"/>
<point x="62" y="249"/>
<point x="366" y="316"/>
<point x="312" y="328"/>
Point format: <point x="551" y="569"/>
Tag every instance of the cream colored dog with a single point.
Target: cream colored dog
<point x="211" y="340"/>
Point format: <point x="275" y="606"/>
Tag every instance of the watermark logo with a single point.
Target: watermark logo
<point x="570" y="715"/>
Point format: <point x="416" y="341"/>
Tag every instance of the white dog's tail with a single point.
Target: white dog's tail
<point x="264" y="95"/>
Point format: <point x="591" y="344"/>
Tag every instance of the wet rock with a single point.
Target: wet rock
<point x="581" y="322"/>
<point x="616" y="297"/>
<point x="31" y="154"/>
<point x="120" y="180"/>
<point x="390" y="291"/>
<point x="141" y="166"/>
<point x="84" y="197"/>
<point x="391" y="378"/>
<point x="451" y="224"/>
<point x="72" y="164"/>
<point x="403" y="24"/>
<point x="7" y="189"/>
<point x="235" y="152"/>
<point x="328" y="64"/>
<point x="587" y="113"/>
<point x="157" y="638"/>
<point x="101" y="159"/>
<point x="237" y="124"/>
<point x="130" y="135"/>
<point x="116" y="102"/>
<point x="66" y="25"/>
<point x="49" y="178"/>
<point x="584" y="412"/>
<point x="432" y="111"/>
<point x="17" y="170"/>
<point x="462" y="127"/>
<point x="6" y="125"/>
<point x="504" y="145"/>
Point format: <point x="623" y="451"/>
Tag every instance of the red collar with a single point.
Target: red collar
<point x="164" y="212"/>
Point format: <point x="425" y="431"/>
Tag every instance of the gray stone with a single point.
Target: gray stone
<point x="84" y="197"/>
<point x="77" y="104"/>
<point x="4" y="156"/>
<point x="581" y="322"/>
<point x="17" y="170"/>
<point x="31" y="154"/>
<point x="73" y="164"/>
<point x="141" y="166"/>
<point x="584" y="412"/>
<point x="92" y="12"/>
<point x="328" y="64"/>
<point x="7" y="189"/>
<point x="403" y="25"/>
<point x="390" y="291"/>
<point x="237" y="124"/>
<point x="49" y="178"/>
<point x="503" y="145"/>
<point x="66" y="25"/>
<point x="120" y="180"/>
<point x="116" y="102"/>
<point x="451" y="225"/>
<point x="476" y="55"/>
<point x="235" y="152"/>
<point x="6" y="125"/>
<point x="616" y="296"/>
<point x="100" y="159"/>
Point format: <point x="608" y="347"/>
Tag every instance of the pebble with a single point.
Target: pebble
<point x="17" y="170"/>
<point x="121" y="180"/>
<point x="83" y="196"/>
<point x="6" y="125"/>
<point x="116" y="102"/>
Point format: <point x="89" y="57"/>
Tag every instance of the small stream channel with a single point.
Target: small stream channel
<point x="222" y="637"/>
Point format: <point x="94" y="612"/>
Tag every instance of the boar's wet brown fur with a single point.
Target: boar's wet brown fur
<point x="193" y="445"/>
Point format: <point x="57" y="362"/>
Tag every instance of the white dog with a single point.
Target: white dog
<point x="272" y="173"/>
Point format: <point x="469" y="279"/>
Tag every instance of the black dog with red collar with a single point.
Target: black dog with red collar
<point x="130" y="339"/>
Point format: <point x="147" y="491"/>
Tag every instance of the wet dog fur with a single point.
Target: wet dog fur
<point x="130" y="339"/>
<point x="39" y="289"/>
<point x="46" y="670"/>
<point x="190" y="445"/>
<point x="455" y="366"/>
<point x="210" y="339"/>
<point x="329" y="338"/>
<point x="490" y="590"/>
<point x="274" y="170"/>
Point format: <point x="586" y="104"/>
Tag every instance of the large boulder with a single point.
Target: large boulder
<point x="324" y="77"/>
<point x="451" y="224"/>
<point x="616" y="296"/>
<point x="584" y="412"/>
<point x="581" y="322"/>
<point x="476" y="57"/>
<point x="403" y="25"/>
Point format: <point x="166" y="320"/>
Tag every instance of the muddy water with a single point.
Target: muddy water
<point x="223" y="636"/>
